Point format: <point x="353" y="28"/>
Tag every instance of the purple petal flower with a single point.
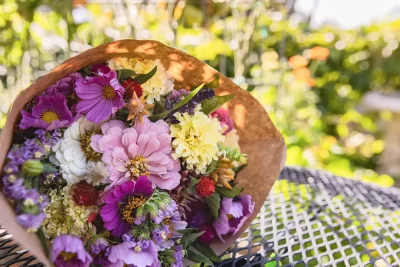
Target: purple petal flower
<point x="233" y="214"/>
<point x="178" y="254"/>
<point x="137" y="254"/>
<point x="65" y="85"/>
<point x="101" y="96"/>
<point x="15" y="156"/>
<point x="100" y="69"/>
<point x="69" y="251"/>
<point x="117" y="199"/>
<point x="31" y="221"/>
<point x="14" y="189"/>
<point x="10" y="168"/>
<point x="50" y="112"/>
<point x="99" y="250"/>
<point x="224" y="118"/>
<point x="160" y="238"/>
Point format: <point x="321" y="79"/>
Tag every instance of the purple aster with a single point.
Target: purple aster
<point x="178" y="254"/>
<point x="233" y="214"/>
<point x="99" y="251"/>
<point x="31" y="221"/>
<point x="135" y="253"/>
<point x="50" y="112"/>
<point x="118" y="212"/>
<point x="69" y="251"/>
<point x="65" y="85"/>
<point x="101" y="96"/>
<point x="224" y="118"/>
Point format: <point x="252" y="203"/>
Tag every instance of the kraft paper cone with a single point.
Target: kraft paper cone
<point x="259" y="138"/>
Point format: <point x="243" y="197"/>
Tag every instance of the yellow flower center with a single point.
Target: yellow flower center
<point x="133" y="203"/>
<point x="89" y="152"/>
<point x="109" y="92"/>
<point x="50" y="116"/>
<point x="138" y="166"/>
<point x="230" y="216"/>
<point x="67" y="256"/>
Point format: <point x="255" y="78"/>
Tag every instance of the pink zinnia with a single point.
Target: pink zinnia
<point x="100" y="96"/>
<point x="142" y="150"/>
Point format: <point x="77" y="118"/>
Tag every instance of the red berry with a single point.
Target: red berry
<point x="131" y="86"/>
<point x="84" y="194"/>
<point x="209" y="234"/>
<point x="205" y="187"/>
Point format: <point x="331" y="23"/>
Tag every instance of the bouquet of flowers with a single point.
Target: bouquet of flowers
<point x="113" y="165"/>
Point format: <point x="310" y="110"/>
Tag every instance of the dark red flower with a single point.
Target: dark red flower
<point x="209" y="234"/>
<point x="206" y="187"/>
<point x="92" y="217"/>
<point x="131" y="86"/>
<point x="84" y="194"/>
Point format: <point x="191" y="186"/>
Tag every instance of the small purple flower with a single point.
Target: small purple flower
<point x="15" y="156"/>
<point x="50" y="112"/>
<point x="33" y="146"/>
<point x="233" y="214"/>
<point x="65" y="85"/>
<point x="137" y="254"/>
<point x="69" y="251"/>
<point x="99" y="250"/>
<point x="121" y="202"/>
<point x="224" y="118"/>
<point x="178" y="254"/>
<point x="14" y="187"/>
<point x="161" y="238"/>
<point x="31" y="222"/>
<point x="101" y="96"/>
<point x="10" y="168"/>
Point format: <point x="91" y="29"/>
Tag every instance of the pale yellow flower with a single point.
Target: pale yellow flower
<point x="159" y="85"/>
<point x="196" y="140"/>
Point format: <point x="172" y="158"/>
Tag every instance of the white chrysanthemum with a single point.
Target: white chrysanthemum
<point x="196" y="140"/>
<point x="159" y="85"/>
<point x="97" y="173"/>
<point x="68" y="153"/>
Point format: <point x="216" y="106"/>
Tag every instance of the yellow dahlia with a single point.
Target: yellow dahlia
<point x="196" y="140"/>
<point x="159" y="85"/>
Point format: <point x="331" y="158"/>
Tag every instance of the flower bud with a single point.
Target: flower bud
<point x="32" y="167"/>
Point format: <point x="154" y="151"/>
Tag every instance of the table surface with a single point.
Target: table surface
<point x="311" y="218"/>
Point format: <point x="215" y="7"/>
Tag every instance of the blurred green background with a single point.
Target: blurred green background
<point x="312" y="80"/>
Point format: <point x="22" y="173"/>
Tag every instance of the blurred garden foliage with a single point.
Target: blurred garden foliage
<point x="312" y="97"/>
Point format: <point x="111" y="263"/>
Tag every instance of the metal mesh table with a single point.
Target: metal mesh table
<point x="311" y="218"/>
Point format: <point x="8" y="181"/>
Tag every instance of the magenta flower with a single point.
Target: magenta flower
<point x="233" y="214"/>
<point x="100" y="96"/>
<point x="49" y="113"/>
<point x="142" y="150"/>
<point x="135" y="253"/>
<point x="118" y="212"/>
<point x="69" y="251"/>
<point x="222" y="114"/>
<point x="65" y="85"/>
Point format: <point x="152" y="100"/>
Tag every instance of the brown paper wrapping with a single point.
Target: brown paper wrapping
<point x="259" y="138"/>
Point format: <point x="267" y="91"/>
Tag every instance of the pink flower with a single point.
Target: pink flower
<point x="222" y="114"/>
<point x="144" y="150"/>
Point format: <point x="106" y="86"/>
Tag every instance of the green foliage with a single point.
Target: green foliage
<point x="225" y="192"/>
<point x="159" y="200"/>
<point x="214" y="203"/>
<point x="215" y="102"/>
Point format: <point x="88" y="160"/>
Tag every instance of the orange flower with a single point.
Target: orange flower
<point x="297" y="61"/>
<point x="319" y="53"/>
<point x="303" y="75"/>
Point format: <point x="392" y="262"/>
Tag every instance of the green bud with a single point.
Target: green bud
<point x="32" y="167"/>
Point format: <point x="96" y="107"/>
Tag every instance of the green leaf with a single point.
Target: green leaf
<point x="187" y="98"/>
<point x="159" y="106"/>
<point x="193" y="181"/>
<point x="229" y="193"/>
<point x="125" y="74"/>
<point x="214" y="202"/>
<point x="188" y="231"/>
<point x="213" y="84"/>
<point x="196" y="256"/>
<point x="43" y="240"/>
<point x="211" y="167"/>
<point x="214" y="103"/>
<point x="207" y="251"/>
<point x="188" y="239"/>
<point x="47" y="168"/>
<point x="142" y="78"/>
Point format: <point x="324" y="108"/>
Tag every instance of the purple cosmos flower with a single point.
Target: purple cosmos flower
<point x="65" y="85"/>
<point x="178" y="254"/>
<point x="121" y="202"/>
<point x="224" y="118"/>
<point x="233" y="214"/>
<point x="101" y="96"/>
<point x="69" y="251"/>
<point x="100" y="250"/>
<point x="50" y="112"/>
<point x="142" y="150"/>
<point x="31" y="221"/>
<point x="135" y="253"/>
